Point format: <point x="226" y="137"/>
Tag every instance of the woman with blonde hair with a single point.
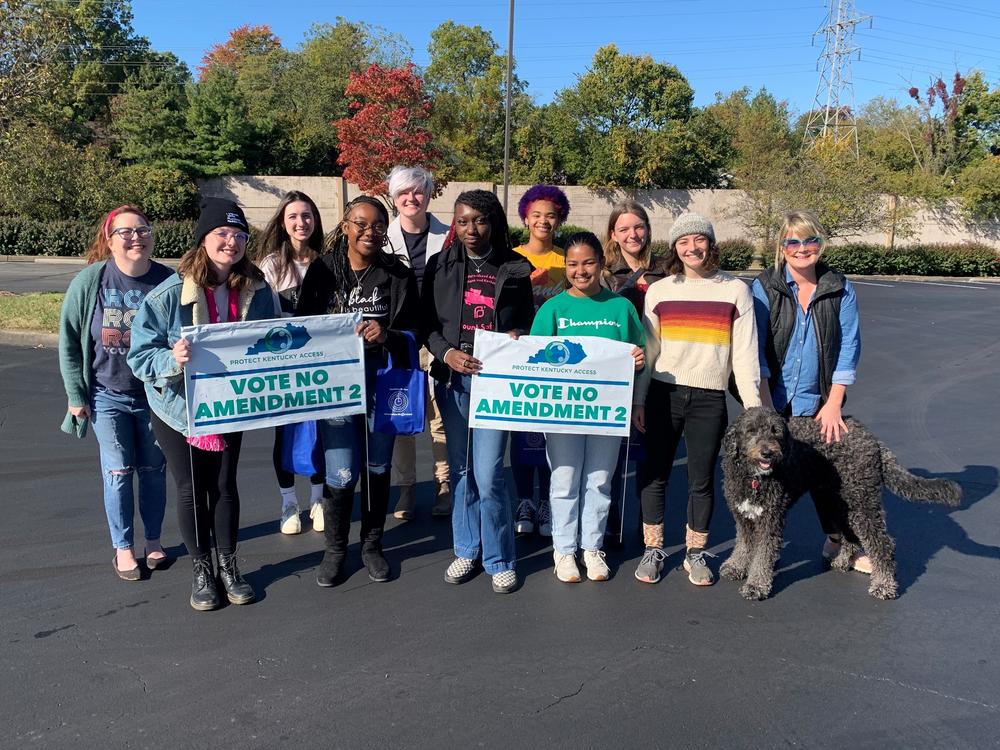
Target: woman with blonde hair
<point x="808" y="327"/>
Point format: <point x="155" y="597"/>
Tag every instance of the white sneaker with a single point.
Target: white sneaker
<point x="565" y="569"/>
<point x="290" y="523"/>
<point x="316" y="515"/>
<point x="597" y="568"/>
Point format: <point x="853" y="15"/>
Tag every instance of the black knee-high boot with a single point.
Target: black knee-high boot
<point x="374" y="504"/>
<point x="337" y="505"/>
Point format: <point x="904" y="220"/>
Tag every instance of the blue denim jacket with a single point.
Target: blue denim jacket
<point x="157" y="326"/>
<point x="798" y="382"/>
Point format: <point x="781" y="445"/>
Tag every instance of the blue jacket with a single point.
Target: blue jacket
<point x="156" y="328"/>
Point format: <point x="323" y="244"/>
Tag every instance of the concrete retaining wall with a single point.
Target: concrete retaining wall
<point x="589" y="208"/>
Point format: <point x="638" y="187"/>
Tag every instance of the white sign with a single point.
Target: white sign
<point x="574" y="384"/>
<point x="249" y="375"/>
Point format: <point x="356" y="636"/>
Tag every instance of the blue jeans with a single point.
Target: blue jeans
<point x="481" y="519"/>
<point x="580" y="494"/>
<point x="343" y="440"/>
<point x="121" y="425"/>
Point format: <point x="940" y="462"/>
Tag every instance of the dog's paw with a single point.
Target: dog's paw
<point x="754" y="592"/>
<point x="842" y="562"/>
<point x="885" y="590"/>
<point x="732" y="571"/>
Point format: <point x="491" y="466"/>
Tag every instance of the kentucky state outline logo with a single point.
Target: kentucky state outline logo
<point x="281" y="339"/>
<point x="559" y="353"/>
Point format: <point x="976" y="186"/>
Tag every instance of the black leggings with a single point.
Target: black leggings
<point x="699" y="414"/>
<point x="218" y="500"/>
<point x="286" y="479"/>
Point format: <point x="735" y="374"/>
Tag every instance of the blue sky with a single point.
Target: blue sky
<point x="718" y="46"/>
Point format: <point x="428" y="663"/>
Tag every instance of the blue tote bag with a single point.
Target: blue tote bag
<point x="400" y="396"/>
<point x="301" y="451"/>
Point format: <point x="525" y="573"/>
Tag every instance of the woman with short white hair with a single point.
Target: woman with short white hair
<point x="416" y="235"/>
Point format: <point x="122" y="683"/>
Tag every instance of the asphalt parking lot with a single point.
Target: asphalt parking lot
<point x="91" y="661"/>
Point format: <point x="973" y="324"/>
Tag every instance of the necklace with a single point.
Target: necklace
<point x="482" y="261"/>
<point x="361" y="278"/>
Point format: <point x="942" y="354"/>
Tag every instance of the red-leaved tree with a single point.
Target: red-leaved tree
<point x="245" y="41"/>
<point x="389" y="108"/>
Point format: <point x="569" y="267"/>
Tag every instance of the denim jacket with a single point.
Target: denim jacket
<point x="157" y="326"/>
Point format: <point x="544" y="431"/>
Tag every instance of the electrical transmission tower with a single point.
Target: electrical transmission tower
<point x="832" y="115"/>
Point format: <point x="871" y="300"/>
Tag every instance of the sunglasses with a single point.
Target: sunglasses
<point x="791" y="243"/>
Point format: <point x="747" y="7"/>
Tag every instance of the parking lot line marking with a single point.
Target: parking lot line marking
<point x="957" y="285"/>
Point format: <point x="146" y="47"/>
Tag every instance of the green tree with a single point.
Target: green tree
<point x="979" y="188"/>
<point x="628" y="116"/>
<point x="32" y="36"/>
<point x="148" y="117"/>
<point x="466" y="78"/>
<point x="223" y="139"/>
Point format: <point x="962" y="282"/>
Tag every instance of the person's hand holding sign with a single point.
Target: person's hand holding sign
<point x="182" y="352"/>
<point x="639" y="355"/>
<point x="372" y="332"/>
<point x="462" y="363"/>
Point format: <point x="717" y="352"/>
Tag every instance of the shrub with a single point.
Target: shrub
<point x="971" y="259"/>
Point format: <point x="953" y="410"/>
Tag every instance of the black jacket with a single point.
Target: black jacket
<point x="619" y="273"/>
<point x="404" y="301"/>
<point x="443" y="293"/>
<point x="825" y="315"/>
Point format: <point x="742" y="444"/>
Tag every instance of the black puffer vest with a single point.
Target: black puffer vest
<point x="825" y="309"/>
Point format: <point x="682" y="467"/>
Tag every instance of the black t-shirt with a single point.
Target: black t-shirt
<point x="118" y="300"/>
<point x="370" y="296"/>
<point x="479" y="300"/>
<point x="416" y="248"/>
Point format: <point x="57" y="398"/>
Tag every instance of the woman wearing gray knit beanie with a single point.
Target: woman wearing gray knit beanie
<point x="699" y="329"/>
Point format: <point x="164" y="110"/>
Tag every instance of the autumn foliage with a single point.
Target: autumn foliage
<point x="387" y="126"/>
<point x="245" y="41"/>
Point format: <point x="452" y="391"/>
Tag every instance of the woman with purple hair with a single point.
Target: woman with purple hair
<point x="543" y="208"/>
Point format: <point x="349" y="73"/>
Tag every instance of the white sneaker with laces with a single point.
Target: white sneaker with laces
<point x="316" y="515"/>
<point x="565" y="568"/>
<point x="290" y="523"/>
<point x="597" y="568"/>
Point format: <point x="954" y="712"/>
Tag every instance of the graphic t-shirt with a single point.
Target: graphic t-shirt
<point x="416" y="249"/>
<point x="605" y="315"/>
<point x="118" y="300"/>
<point x="479" y="300"/>
<point x="370" y="296"/>
<point x="549" y="274"/>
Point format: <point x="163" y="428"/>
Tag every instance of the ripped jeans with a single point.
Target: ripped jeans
<point x="343" y="439"/>
<point x="121" y="425"/>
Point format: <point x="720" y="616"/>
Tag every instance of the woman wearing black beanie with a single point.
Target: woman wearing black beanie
<point x="215" y="283"/>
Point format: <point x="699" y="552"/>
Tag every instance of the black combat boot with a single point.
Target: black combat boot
<point x="238" y="591"/>
<point x="204" y="594"/>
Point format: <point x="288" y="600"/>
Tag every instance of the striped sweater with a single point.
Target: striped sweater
<point x="698" y="331"/>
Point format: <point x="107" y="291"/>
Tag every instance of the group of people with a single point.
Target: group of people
<point x="790" y="340"/>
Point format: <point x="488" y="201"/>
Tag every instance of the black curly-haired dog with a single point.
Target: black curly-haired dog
<point x="770" y="463"/>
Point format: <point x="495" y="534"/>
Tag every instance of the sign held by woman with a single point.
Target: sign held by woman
<point x="569" y="384"/>
<point x="245" y="376"/>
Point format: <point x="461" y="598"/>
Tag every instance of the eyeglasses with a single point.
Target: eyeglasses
<point x="241" y="238"/>
<point x="127" y="233"/>
<point x="791" y="243"/>
<point x="377" y="229"/>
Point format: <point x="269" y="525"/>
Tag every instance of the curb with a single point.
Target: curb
<point x="56" y="260"/>
<point x="34" y="339"/>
